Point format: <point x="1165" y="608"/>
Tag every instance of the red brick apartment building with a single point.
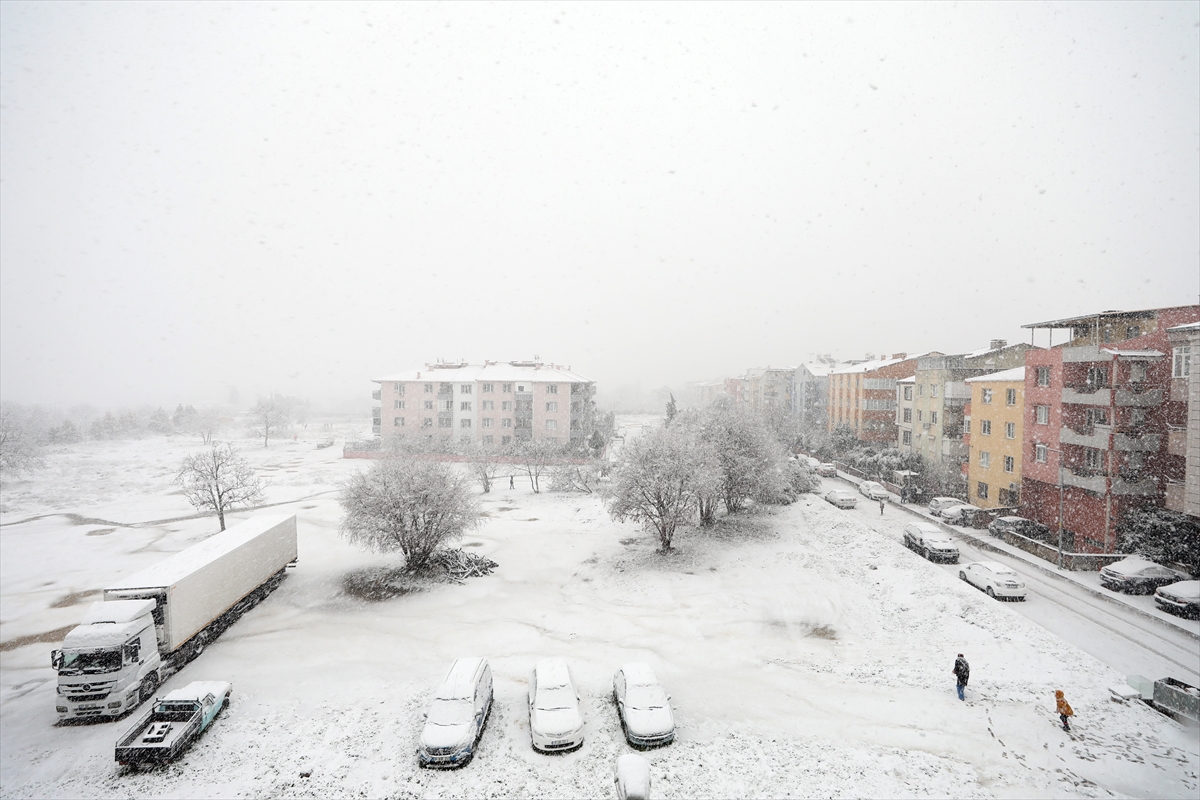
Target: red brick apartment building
<point x="862" y="396"/>
<point x="1098" y="412"/>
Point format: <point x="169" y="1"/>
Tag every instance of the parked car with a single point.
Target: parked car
<point x="827" y="470"/>
<point x="939" y="504"/>
<point x="841" y="498"/>
<point x="555" y="721"/>
<point x="931" y="542"/>
<point x="632" y="777"/>
<point x="1181" y="598"/>
<point x="1136" y="575"/>
<point x="872" y="490"/>
<point x="173" y="723"/>
<point x="999" y="581"/>
<point x="961" y="514"/>
<point x="457" y="715"/>
<point x="1018" y="525"/>
<point x="643" y="706"/>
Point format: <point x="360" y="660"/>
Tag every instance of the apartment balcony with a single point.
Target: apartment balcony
<point x="1136" y="484"/>
<point x="1087" y="436"/>
<point x="1087" y="395"/>
<point x="1087" y="480"/>
<point x="1138" y="397"/>
<point x="1177" y="441"/>
<point x="376" y="395"/>
<point x="1146" y="443"/>
<point x="1176" y="496"/>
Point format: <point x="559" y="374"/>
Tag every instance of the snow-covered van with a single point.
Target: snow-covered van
<point x="156" y="620"/>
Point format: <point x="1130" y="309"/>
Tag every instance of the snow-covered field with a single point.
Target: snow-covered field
<point x="806" y="654"/>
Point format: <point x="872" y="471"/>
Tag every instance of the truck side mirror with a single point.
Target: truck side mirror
<point x="56" y="659"/>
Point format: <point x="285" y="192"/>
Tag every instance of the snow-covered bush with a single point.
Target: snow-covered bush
<point x="575" y="477"/>
<point x="1161" y="536"/>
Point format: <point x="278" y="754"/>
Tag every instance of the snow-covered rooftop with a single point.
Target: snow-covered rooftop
<point x="1191" y="326"/>
<point x="1014" y="374"/>
<point x="1133" y="353"/>
<point x="533" y="371"/>
<point x="819" y="368"/>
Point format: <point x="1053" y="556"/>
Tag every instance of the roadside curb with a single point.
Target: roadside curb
<point x="985" y="544"/>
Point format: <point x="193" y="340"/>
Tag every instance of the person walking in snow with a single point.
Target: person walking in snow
<point x="1064" y="709"/>
<point x="881" y="506"/>
<point x="511" y="485"/>
<point x="962" y="672"/>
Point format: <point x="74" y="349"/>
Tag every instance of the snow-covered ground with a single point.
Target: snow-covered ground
<point x="807" y="654"/>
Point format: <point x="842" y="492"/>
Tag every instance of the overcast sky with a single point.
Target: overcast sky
<point x="298" y="198"/>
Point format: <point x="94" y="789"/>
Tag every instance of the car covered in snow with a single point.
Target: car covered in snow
<point x="841" y="498"/>
<point x="1136" y="575"/>
<point x="939" y="504"/>
<point x="643" y="706"/>
<point x="962" y="514"/>
<point x="1000" y="582"/>
<point x="1182" y="598"/>
<point x="872" y="490"/>
<point x="632" y="777"/>
<point x="555" y="720"/>
<point x="826" y="469"/>
<point x="1018" y="525"/>
<point x="931" y="542"/>
<point x="457" y="715"/>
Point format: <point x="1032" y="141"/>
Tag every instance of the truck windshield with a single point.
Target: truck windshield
<point x="76" y="663"/>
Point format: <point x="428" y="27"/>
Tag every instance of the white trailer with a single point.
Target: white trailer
<point x="110" y="663"/>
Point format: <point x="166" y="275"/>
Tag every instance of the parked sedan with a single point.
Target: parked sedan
<point x="1018" y="525"/>
<point x="841" y="498"/>
<point x="1182" y="598"/>
<point x="872" y="490"/>
<point x="931" y="542"/>
<point x="939" y="504"/>
<point x="961" y="514"/>
<point x="1135" y="575"/>
<point x="827" y="470"/>
<point x="997" y="580"/>
<point x="643" y="707"/>
<point x="555" y="721"/>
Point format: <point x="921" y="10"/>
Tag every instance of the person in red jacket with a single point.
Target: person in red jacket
<point x="1064" y="709"/>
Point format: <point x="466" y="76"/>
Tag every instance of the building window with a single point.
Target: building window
<point x="920" y="415"/>
<point x="427" y="422"/>
<point x="1091" y="457"/>
<point x="981" y="490"/>
<point x="487" y="405"/>
<point x="429" y="388"/>
<point x="1010" y="464"/>
<point x="464" y="423"/>
<point x="1137" y="416"/>
<point x="907" y="437"/>
<point x="464" y="405"/>
<point x="486" y="422"/>
<point x="506" y="405"/>
<point x="933" y="390"/>
<point x="967" y="425"/>
<point x="506" y="388"/>
<point x="397" y="404"/>
<point x="1043" y="376"/>
<point x="985" y="427"/>
<point x="1133" y="331"/>
<point x="551" y="424"/>
<point x="398" y="422"/>
<point x="1097" y="416"/>
<point x="908" y="415"/>
<point x="908" y="393"/>
<point x="1010" y="430"/>
<point x="445" y="405"/>
<point x="489" y="439"/>
<point x="488" y="388"/>
<point x="1097" y="376"/>
<point x="1137" y="372"/>
<point x="1039" y="453"/>
<point x="920" y="390"/>
<point x="465" y="388"/>
<point x="551" y="388"/>
<point x="506" y="422"/>
<point x="445" y="388"/>
<point x="429" y="405"/>
<point x="552" y="406"/>
<point x="399" y="387"/>
<point x="985" y="459"/>
<point x="933" y="417"/>
<point x="445" y="422"/>
<point x="1010" y="397"/>
<point x="1181" y="361"/>
<point x="505" y="440"/>
<point x="1042" y="414"/>
<point x="987" y="395"/>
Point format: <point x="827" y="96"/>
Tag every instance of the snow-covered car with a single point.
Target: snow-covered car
<point x="931" y="542"/>
<point x="632" y="778"/>
<point x="873" y="490"/>
<point x="961" y="514"/>
<point x="827" y="470"/>
<point x="555" y="720"/>
<point x="1000" y="582"/>
<point x="1136" y="575"/>
<point x="1017" y="525"/>
<point x="939" y="504"/>
<point x="643" y="706"/>
<point x="841" y="498"/>
<point x="457" y="715"/>
<point x="1181" y="598"/>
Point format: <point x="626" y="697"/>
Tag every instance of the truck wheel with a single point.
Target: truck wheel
<point x="198" y="645"/>
<point x="146" y="690"/>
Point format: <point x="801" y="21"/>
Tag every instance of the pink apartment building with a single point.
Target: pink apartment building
<point x="495" y="403"/>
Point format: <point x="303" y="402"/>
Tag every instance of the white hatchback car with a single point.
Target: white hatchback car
<point x="457" y="715"/>
<point x="643" y="706"/>
<point x="962" y="514"/>
<point x="841" y="498"/>
<point x="873" y="490"/>
<point x="1000" y="582"/>
<point x="939" y="504"/>
<point x="555" y="721"/>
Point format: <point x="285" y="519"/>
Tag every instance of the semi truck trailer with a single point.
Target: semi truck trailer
<point x="155" y="621"/>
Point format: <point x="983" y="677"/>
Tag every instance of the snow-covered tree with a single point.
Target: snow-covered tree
<point x="656" y="481"/>
<point x="1161" y="535"/>
<point x="403" y="504"/>
<point x="20" y="445"/>
<point x="218" y="479"/>
<point x="268" y="417"/>
<point x="571" y="477"/>
<point x="749" y="455"/>
<point x="535" y="456"/>
<point x="485" y="463"/>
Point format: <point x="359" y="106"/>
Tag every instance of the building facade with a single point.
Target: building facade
<point x="862" y="396"/>
<point x="494" y="403"/>
<point x="1184" y="496"/>
<point x="994" y="432"/>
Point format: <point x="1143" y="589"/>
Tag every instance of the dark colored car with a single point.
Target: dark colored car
<point x="1136" y="575"/>
<point x="1020" y="526"/>
<point x="1182" y="598"/>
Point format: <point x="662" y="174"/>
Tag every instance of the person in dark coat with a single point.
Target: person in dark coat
<point x="1064" y="709"/>
<point x="962" y="672"/>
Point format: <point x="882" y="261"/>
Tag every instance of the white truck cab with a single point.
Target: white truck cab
<point x="110" y="663"/>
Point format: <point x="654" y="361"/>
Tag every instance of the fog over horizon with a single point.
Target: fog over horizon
<point x="198" y="199"/>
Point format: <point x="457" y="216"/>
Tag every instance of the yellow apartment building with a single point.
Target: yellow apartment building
<point x="994" y="428"/>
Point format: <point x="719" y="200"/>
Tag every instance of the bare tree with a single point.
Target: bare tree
<point x="20" y="448"/>
<point x="270" y="416"/>
<point x="535" y="457"/>
<point x="485" y="463"/>
<point x="575" y="477"/>
<point x="408" y="505"/>
<point x="219" y="479"/>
